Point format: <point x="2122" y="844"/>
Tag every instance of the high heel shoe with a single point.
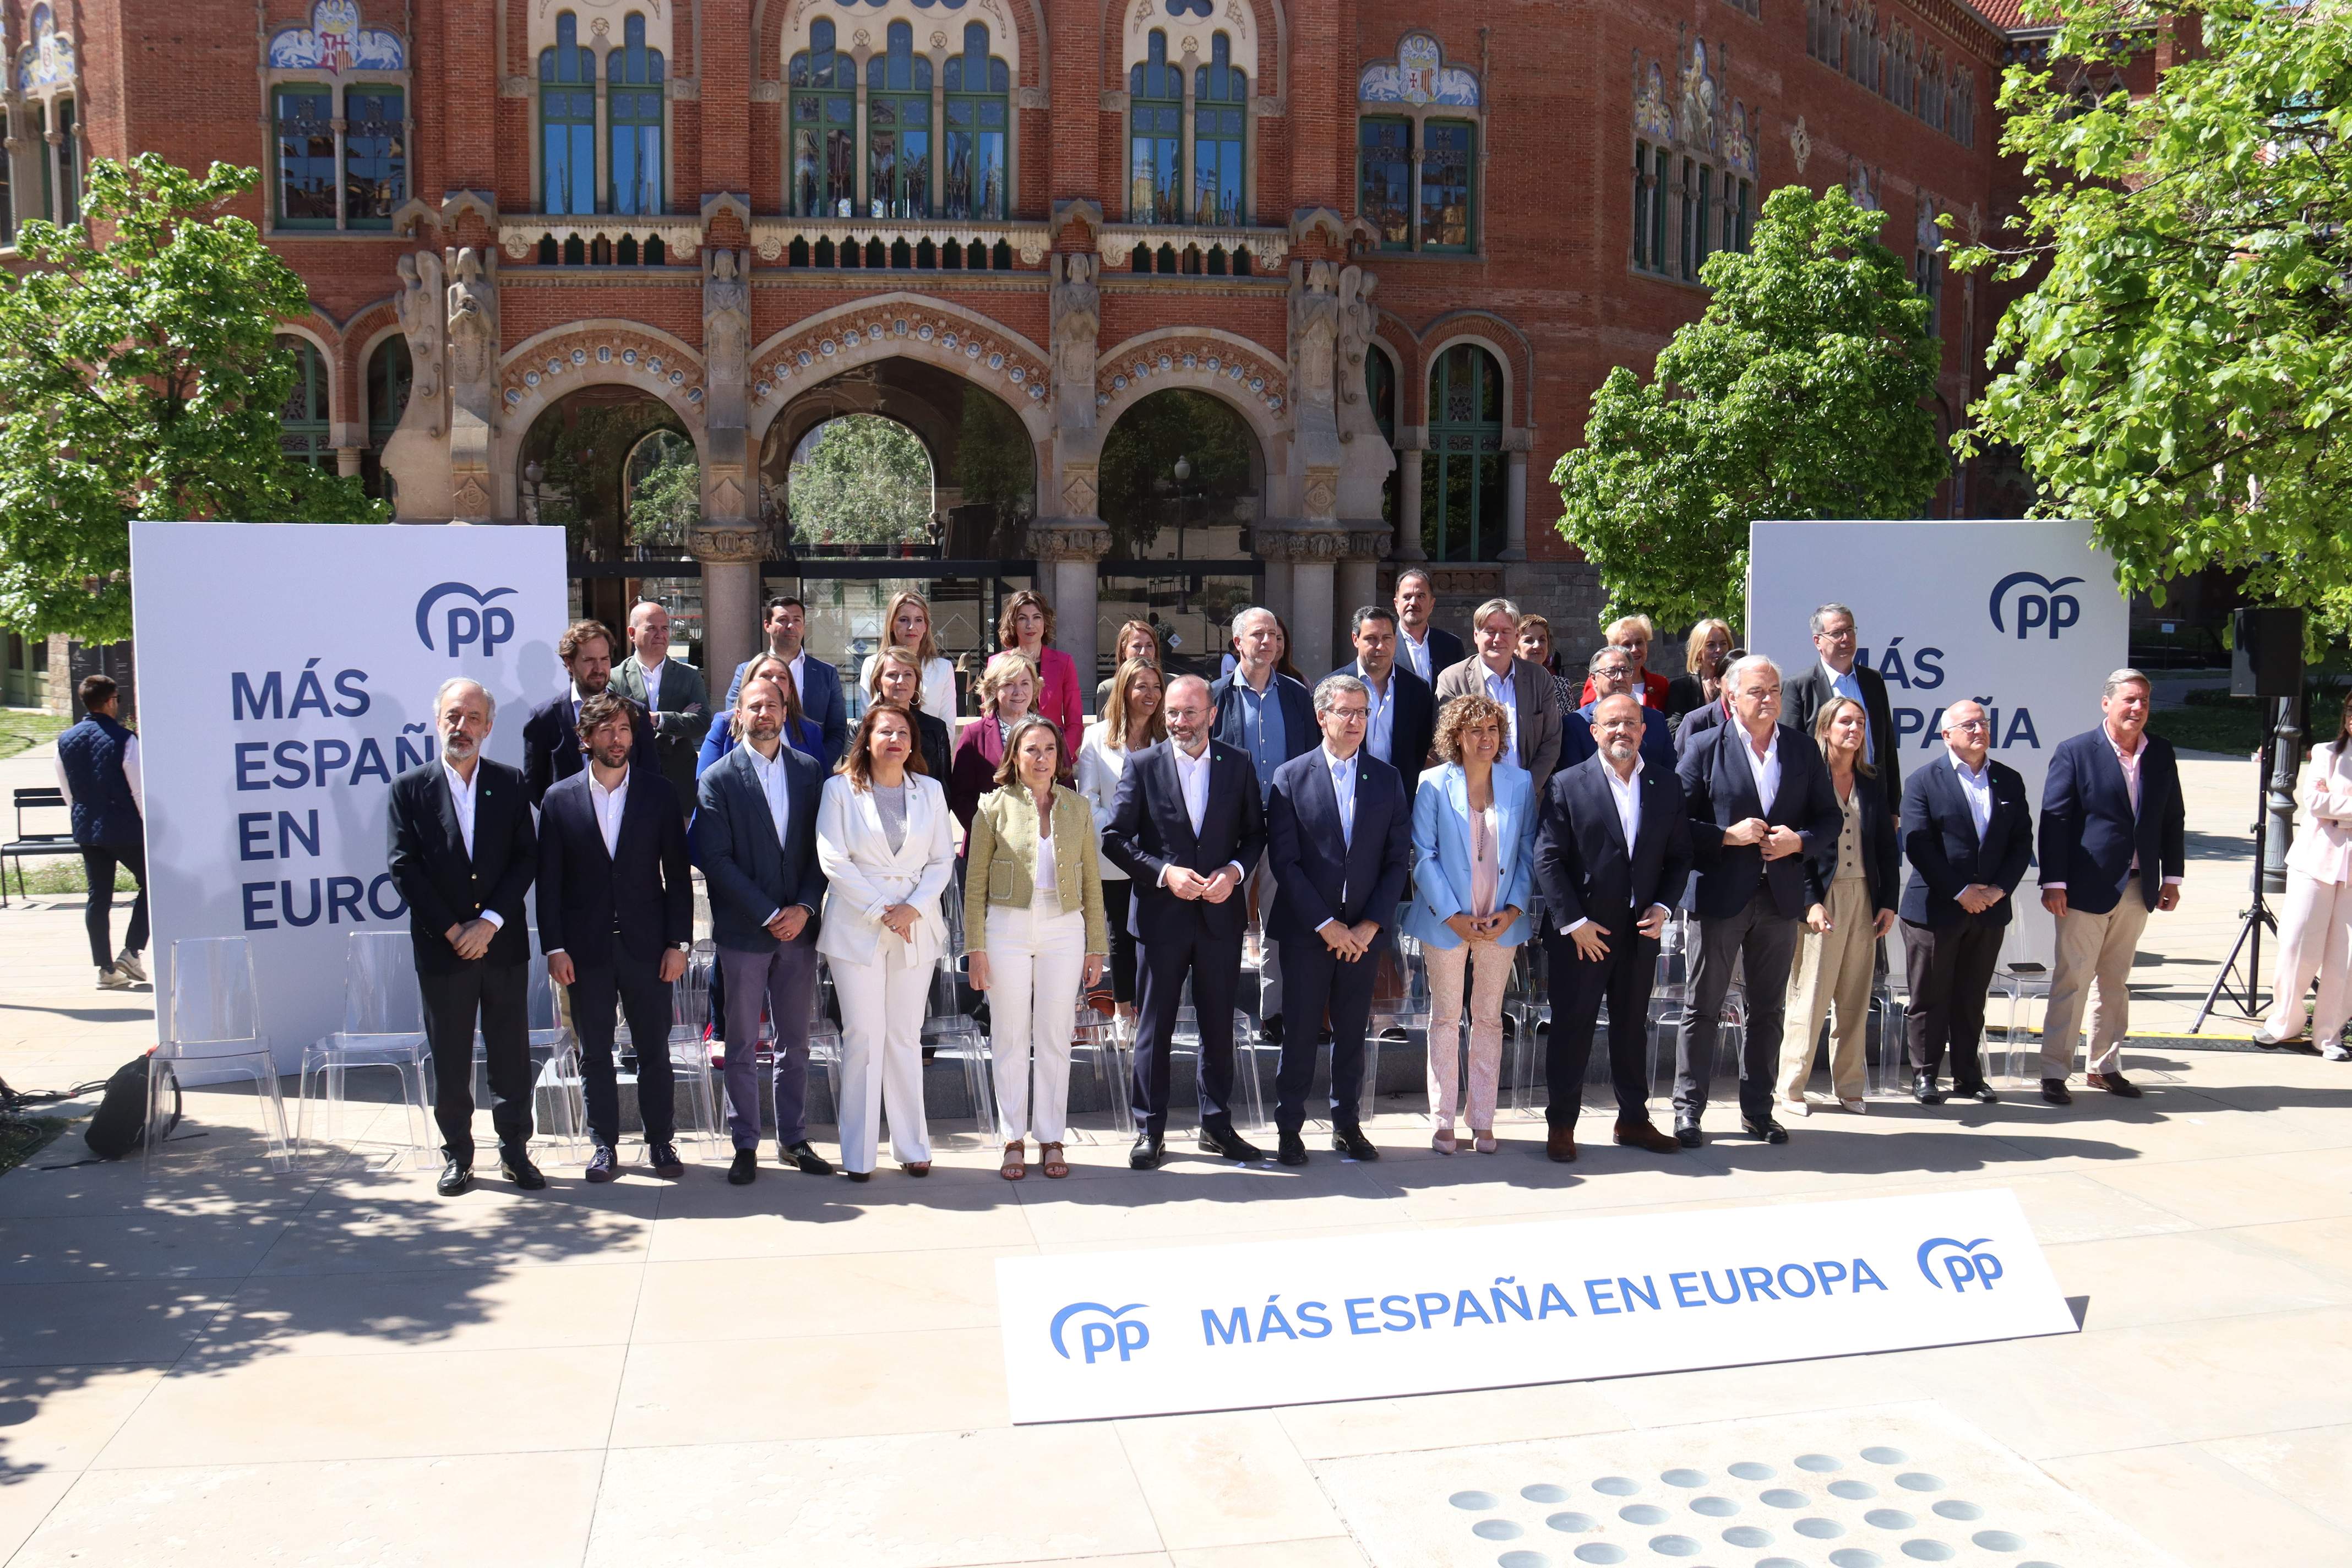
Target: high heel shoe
<point x="1482" y="1142"/>
<point x="1444" y="1142"/>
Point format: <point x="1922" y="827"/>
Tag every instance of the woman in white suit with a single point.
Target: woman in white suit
<point x="2315" y="928"/>
<point x="885" y="843"/>
<point x="1474" y="830"/>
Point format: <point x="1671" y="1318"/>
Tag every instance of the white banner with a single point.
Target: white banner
<point x="286" y="678"/>
<point x="2025" y="617"/>
<point x="1090" y="1335"/>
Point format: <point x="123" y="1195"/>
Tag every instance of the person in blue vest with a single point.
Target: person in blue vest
<point x="97" y="769"/>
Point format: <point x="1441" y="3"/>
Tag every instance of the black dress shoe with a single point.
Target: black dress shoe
<point x="744" y="1167"/>
<point x="515" y="1166"/>
<point x="663" y="1158"/>
<point x="604" y="1164"/>
<point x="859" y="1175"/>
<point x="2053" y="1089"/>
<point x="1145" y="1155"/>
<point x="1687" y="1132"/>
<point x="804" y="1156"/>
<point x="456" y="1177"/>
<point x="2113" y="1083"/>
<point x="1291" y="1149"/>
<point x="1980" y="1092"/>
<point x="1768" y="1130"/>
<point x="1351" y="1141"/>
<point x="1395" y="1036"/>
<point x="1924" y="1090"/>
<point x="1269" y="1029"/>
<point x="1228" y="1144"/>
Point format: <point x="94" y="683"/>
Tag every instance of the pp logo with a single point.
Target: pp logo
<point x="481" y="623"/>
<point x="1113" y="1329"/>
<point x="2049" y="607"/>
<point x="1960" y="1262"/>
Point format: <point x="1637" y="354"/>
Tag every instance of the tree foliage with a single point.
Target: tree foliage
<point x="1140" y="493"/>
<point x="1801" y="393"/>
<point x="867" y="481"/>
<point x="664" y="480"/>
<point x="139" y="377"/>
<point x="2180" y="376"/>
<point x="996" y="460"/>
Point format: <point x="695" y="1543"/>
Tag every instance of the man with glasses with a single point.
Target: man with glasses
<point x="1611" y="672"/>
<point x="1837" y="674"/>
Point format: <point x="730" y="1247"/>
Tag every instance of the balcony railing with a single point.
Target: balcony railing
<point x="1192" y="249"/>
<point x="900" y="243"/>
<point x="602" y="239"/>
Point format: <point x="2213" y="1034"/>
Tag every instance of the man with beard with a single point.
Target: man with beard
<point x="550" y="736"/>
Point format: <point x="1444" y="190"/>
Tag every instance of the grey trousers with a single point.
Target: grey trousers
<point x="1765" y="940"/>
<point x="782" y="983"/>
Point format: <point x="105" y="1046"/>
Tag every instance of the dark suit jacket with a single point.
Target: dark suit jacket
<point x="2088" y="832"/>
<point x="1803" y="697"/>
<point x="442" y="883"/>
<point x="1700" y="720"/>
<point x="1445" y="651"/>
<point x="1939" y="839"/>
<point x="1583" y="869"/>
<point x="642" y="891"/>
<point x="1576" y="742"/>
<point x="1299" y="732"/>
<point x="1882" y="858"/>
<point x="1323" y="874"/>
<point x="1540" y="729"/>
<point x="1413" y="723"/>
<point x="1149" y="830"/>
<point x="680" y="721"/>
<point x="821" y="703"/>
<point x="752" y="875"/>
<point x="550" y="745"/>
<point x="1719" y="789"/>
<point x="938" y="753"/>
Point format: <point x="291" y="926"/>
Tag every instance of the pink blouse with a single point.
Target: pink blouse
<point x="1486" y="862"/>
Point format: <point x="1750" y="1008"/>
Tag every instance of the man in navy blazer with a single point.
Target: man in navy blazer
<point x="2112" y="848"/>
<point x="1609" y="671"/>
<point x="1185" y="823"/>
<point x="1613" y="852"/>
<point x="755" y="834"/>
<point x="1759" y="801"/>
<point x="1968" y="832"/>
<point x="550" y="735"/>
<point x="816" y="682"/>
<point x="615" y="916"/>
<point x="1269" y="719"/>
<point x="1427" y="650"/>
<point x="1404" y="709"/>
<point x="1339" y="830"/>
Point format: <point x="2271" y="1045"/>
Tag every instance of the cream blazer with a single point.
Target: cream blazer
<point x="864" y="877"/>
<point x="2322" y="830"/>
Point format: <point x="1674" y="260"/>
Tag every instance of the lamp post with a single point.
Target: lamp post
<point x="533" y="472"/>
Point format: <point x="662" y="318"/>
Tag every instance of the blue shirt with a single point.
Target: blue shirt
<point x="1263" y="731"/>
<point x="1849" y="685"/>
<point x="1380" y="729"/>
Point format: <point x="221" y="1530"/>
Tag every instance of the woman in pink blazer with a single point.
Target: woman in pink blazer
<point x="1027" y="629"/>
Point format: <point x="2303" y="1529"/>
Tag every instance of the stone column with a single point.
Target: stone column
<point x="727" y="483"/>
<point x="1067" y="550"/>
<point x="731" y="558"/>
<point x="1306" y="555"/>
<point x="1360" y="579"/>
<point x="1514" y="496"/>
<point x="1408" y="520"/>
<point x="473" y="337"/>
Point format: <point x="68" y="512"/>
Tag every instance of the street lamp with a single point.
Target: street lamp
<point x="533" y="473"/>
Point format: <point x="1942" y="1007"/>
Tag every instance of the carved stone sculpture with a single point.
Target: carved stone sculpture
<point x="473" y="324"/>
<point x="1077" y="313"/>
<point x="1315" y="337"/>
<point x="726" y="322"/>
<point x="473" y="329"/>
<point x="421" y="321"/>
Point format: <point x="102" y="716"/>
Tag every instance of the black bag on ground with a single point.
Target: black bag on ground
<point x="120" y="1124"/>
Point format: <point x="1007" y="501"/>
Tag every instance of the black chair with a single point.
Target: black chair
<point x="25" y="843"/>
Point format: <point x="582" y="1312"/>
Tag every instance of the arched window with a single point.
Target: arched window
<point x="1417" y="137"/>
<point x="1155" y="137"/>
<point x="633" y="78"/>
<point x="979" y="95"/>
<point x="45" y="77"/>
<point x="389" y="375"/>
<point x="1463" y="492"/>
<point x="1381" y="392"/>
<point x="825" y="128"/>
<point x="336" y="95"/>
<point x="305" y="156"/>
<point x="567" y="119"/>
<point x="302" y="433"/>
<point x="1220" y="117"/>
<point x="898" y="126"/>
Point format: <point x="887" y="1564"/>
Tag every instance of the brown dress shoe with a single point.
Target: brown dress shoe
<point x="1560" y="1145"/>
<point x="2113" y="1083"/>
<point x="1642" y="1135"/>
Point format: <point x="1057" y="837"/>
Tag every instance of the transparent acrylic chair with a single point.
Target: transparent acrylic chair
<point x="952" y="1034"/>
<point x="383" y="1031"/>
<point x="215" y="1029"/>
<point x="699" y="1047"/>
<point x="1184" y="1040"/>
<point x="1095" y="1046"/>
<point x="2021" y="981"/>
<point x="1401" y="1003"/>
<point x="1890" y="1008"/>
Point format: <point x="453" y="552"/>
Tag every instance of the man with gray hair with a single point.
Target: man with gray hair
<point x="1836" y="673"/>
<point x="1268" y="718"/>
<point x="1339" y="839"/>
<point x="1523" y="688"/>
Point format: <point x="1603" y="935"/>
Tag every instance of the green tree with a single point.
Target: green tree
<point x="866" y="481"/>
<point x="1140" y="494"/>
<point x="665" y="489"/>
<point x="139" y="377"/>
<point x="2181" y="374"/>
<point x="1801" y="393"/>
<point x="996" y="460"/>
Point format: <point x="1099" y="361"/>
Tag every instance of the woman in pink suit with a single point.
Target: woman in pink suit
<point x="1027" y="629"/>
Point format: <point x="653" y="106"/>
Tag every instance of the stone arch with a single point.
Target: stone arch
<point x="900" y="326"/>
<point x="1224" y="364"/>
<point x="1513" y="355"/>
<point x="321" y="335"/>
<point x="541" y="368"/>
<point x="1270" y="24"/>
<point x="368" y="330"/>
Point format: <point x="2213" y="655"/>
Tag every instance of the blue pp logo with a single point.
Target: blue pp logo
<point x="2049" y="608"/>
<point x="480" y="623"/>
<point x="1959" y="1262"/>
<point x="1110" y="1330"/>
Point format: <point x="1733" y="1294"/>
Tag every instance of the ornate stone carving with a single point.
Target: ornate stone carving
<point x="1315" y="336"/>
<point x="654" y="362"/>
<point x="1371" y="540"/>
<point x="721" y="546"/>
<point x="771" y="237"/>
<point x="1303" y="542"/>
<point x="1266" y="247"/>
<point x="723" y="489"/>
<point x="1800" y="143"/>
<point x="1079" y="490"/>
<point x="423" y="322"/>
<point x="1068" y="539"/>
<point x="726" y="334"/>
<point x="1359" y="320"/>
<point x="1186" y="359"/>
<point x="1076" y="312"/>
<point x="468" y="498"/>
<point x="1321" y="494"/>
<point x="473" y="323"/>
<point x="520" y="236"/>
<point x="825" y="350"/>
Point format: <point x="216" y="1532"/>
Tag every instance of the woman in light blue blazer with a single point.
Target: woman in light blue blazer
<point x="1473" y="833"/>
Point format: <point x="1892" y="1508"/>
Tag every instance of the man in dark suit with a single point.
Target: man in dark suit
<point x="672" y="693"/>
<point x="1610" y="672"/>
<point x="1184" y="824"/>
<point x="1758" y="797"/>
<point x="1969" y="835"/>
<point x="550" y="736"/>
<point x="755" y="833"/>
<point x="1427" y="650"/>
<point x="615" y="915"/>
<point x="462" y="853"/>
<point x="1404" y="709"/>
<point x="1612" y="851"/>
<point x="1523" y="687"/>
<point x="1836" y="674"/>
<point x="2112" y="848"/>
<point x="817" y="683"/>
<point x="1269" y="719"/>
<point x="1339" y="830"/>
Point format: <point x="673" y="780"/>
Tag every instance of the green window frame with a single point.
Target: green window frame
<point x="1465" y="491"/>
<point x="822" y="145"/>
<point x="1155" y="136"/>
<point x="567" y="122"/>
<point x="899" y="127"/>
<point x="976" y="180"/>
<point x="303" y="153"/>
<point x="1384" y="178"/>
<point x="1220" y="139"/>
<point x="302" y="429"/>
<point x="376" y="155"/>
<point x="632" y="111"/>
<point x="1448" y="219"/>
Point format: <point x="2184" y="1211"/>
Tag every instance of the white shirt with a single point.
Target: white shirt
<point x="1626" y="792"/>
<point x="800" y="678"/>
<point x="1099" y="768"/>
<point x="1416" y="653"/>
<point x="1048" y="872"/>
<point x="772" y="783"/>
<point x="609" y="803"/>
<point x="653" y="673"/>
<point x="130" y="776"/>
<point x="1501" y="689"/>
<point x="1976" y="785"/>
<point x="461" y="797"/>
<point x="1192" y="783"/>
<point x="1767" y="768"/>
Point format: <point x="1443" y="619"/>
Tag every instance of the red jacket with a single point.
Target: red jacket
<point x="1653" y="689"/>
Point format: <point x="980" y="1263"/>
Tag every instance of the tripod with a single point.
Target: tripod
<point x="2244" y="996"/>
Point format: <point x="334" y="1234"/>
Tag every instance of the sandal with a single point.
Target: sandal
<point x="1049" y="1156"/>
<point x="917" y="1167"/>
<point x="1014" y="1168"/>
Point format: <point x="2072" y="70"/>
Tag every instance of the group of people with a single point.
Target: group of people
<point x="1474" y="800"/>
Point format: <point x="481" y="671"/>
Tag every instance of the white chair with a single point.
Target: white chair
<point x="216" y="1028"/>
<point x="384" y="1030"/>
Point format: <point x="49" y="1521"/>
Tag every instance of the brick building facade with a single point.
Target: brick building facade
<point x="1403" y="241"/>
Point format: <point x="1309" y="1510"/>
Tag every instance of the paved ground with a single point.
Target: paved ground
<point x="230" y="1366"/>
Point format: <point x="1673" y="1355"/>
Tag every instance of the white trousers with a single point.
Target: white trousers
<point x="2315" y="939"/>
<point x="1036" y="956"/>
<point x="882" y="1008"/>
<point x="2093" y="949"/>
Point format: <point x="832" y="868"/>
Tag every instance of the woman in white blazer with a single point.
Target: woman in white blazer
<point x="906" y="623"/>
<point x="1131" y="720"/>
<point x="1474" y="831"/>
<point x="884" y="840"/>
<point x="2315" y="926"/>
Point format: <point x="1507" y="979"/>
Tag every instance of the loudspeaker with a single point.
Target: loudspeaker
<point x="2267" y="658"/>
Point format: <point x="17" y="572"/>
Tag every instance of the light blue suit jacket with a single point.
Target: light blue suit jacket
<point x="1441" y="852"/>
